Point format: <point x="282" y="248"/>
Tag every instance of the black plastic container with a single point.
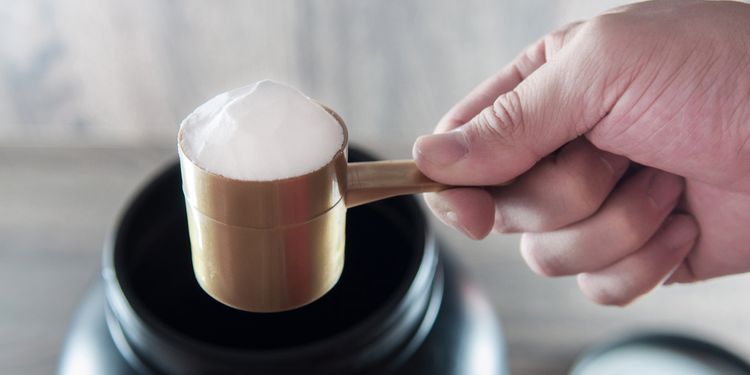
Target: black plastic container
<point x="400" y="307"/>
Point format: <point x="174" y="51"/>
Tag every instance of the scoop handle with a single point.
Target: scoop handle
<point x="375" y="180"/>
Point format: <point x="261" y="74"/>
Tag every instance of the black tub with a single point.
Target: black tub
<point x="400" y="307"/>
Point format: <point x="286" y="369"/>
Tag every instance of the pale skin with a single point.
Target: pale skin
<point x="662" y="84"/>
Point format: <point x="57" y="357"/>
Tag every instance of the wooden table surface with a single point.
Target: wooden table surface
<point x="56" y="205"/>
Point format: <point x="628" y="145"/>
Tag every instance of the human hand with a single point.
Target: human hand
<point x="663" y="84"/>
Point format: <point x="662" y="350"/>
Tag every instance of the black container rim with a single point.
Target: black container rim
<point x="139" y="323"/>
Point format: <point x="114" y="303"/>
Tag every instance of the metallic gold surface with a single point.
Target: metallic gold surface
<point x="265" y="204"/>
<point x="268" y="270"/>
<point x="375" y="180"/>
<point x="268" y="246"/>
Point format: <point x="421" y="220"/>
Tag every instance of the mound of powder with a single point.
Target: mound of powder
<point x="260" y="132"/>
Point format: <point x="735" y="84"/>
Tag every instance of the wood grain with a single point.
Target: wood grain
<point x="56" y="206"/>
<point x="110" y="72"/>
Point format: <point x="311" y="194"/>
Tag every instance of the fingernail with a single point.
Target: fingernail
<point x="441" y="149"/>
<point x="499" y="224"/>
<point x="663" y="189"/>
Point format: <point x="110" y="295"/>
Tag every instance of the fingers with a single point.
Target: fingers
<point x="559" y="101"/>
<point x="682" y="274"/>
<point x="560" y="190"/>
<point x="723" y="246"/>
<point x="506" y="79"/>
<point x="638" y="273"/>
<point x="486" y="92"/>
<point x="626" y="221"/>
<point x="469" y="210"/>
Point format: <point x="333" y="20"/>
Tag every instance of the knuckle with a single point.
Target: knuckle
<point x="556" y="36"/>
<point x="554" y="42"/>
<point x="603" y="296"/>
<point x="530" y="58"/>
<point x="502" y="121"/>
<point x="600" y="293"/>
<point x="610" y="56"/>
<point x="508" y="111"/>
<point x="627" y="228"/>
<point x="580" y="194"/>
<point x="542" y="223"/>
<point x="539" y="259"/>
<point x="603" y="37"/>
<point x="603" y="27"/>
<point x="583" y="198"/>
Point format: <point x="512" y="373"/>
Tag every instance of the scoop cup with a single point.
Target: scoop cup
<point x="267" y="246"/>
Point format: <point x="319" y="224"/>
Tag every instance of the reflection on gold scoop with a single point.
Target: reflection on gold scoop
<point x="267" y="246"/>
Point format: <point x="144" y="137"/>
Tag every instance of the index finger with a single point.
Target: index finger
<point x="484" y="94"/>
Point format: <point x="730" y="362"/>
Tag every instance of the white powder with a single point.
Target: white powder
<point x="260" y="132"/>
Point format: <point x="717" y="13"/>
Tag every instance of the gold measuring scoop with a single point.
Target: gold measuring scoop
<point x="267" y="246"/>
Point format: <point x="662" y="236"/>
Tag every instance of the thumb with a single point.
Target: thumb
<point x="558" y="102"/>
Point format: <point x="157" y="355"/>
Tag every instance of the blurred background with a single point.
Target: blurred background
<point x="124" y="73"/>
<point x="92" y="92"/>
